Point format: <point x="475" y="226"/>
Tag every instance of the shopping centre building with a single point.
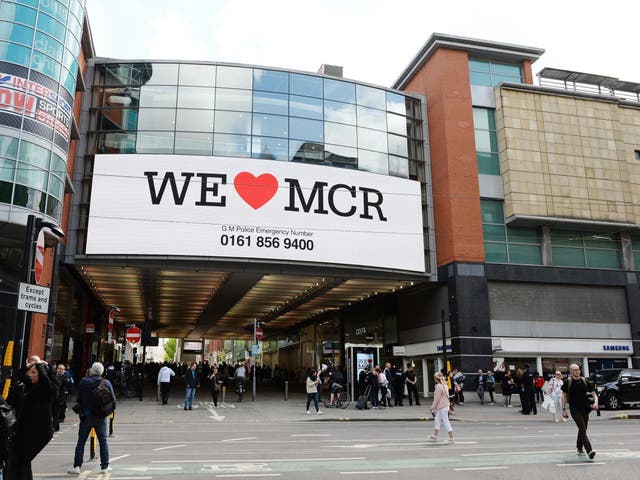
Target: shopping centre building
<point x="355" y="222"/>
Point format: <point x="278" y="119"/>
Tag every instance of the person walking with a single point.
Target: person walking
<point x="398" y="386"/>
<point x="507" y="387"/>
<point x="216" y="380"/>
<point x="491" y="386"/>
<point x="555" y="390"/>
<point x="164" y="381"/>
<point x="382" y="384"/>
<point x="440" y="406"/>
<point x="312" y="382"/>
<point x="412" y="385"/>
<point x="31" y="399"/>
<point x="89" y="420"/>
<point x="64" y="383"/>
<point x="458" y="379"/>
<point x="575" y="392"/>
<point x="191" y="381"/>
<point x="480" y="384"/>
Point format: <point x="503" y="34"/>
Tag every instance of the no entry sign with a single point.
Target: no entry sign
<point x="133" y="335"/>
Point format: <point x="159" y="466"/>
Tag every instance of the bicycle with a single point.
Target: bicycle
<point x="341" y="399"/>
<point x="240" y="388"/>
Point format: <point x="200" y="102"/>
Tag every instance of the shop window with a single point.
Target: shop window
<point x="585" y="250"/>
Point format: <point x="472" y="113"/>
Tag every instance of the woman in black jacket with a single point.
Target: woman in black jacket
<point x="34" y="426"/>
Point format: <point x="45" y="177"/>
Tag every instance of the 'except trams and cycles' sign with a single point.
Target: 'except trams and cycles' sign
<point x="33" y="298"/>
<point x="249" y="208"/>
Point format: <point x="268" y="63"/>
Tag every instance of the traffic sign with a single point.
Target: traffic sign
<point x="39" y="263"/>
<point x="259" y="333"/>
<point x="133" y="335"/>
<point x="33" y="298"/>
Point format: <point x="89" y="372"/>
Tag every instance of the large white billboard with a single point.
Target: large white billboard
<point x="256" y="209"/>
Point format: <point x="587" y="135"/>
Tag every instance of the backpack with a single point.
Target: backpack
<point x="7" y="430"/>
<point x="101" y="400"/>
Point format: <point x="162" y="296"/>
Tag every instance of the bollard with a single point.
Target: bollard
<point x="286" y="390"/>
<point x="111" y="423"/>
<point x="224" y="392"/>
<point x="92" y="444"/>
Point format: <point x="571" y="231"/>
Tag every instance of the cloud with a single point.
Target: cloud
<point x="170" y="36"/>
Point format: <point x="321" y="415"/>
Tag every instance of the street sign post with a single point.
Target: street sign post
<point x="39" y="257"/>
<point x="133" y="335"/>
<point x="259" y="333"/>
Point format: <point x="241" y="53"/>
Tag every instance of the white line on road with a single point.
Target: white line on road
<point x="171" y="446"/>
<point x="113" y="459"/>
<point x="262" y="460"/>
<point x="214" y="414"/>
<point x="479" y="468"/>
<point x="581" y="464"/>
<point x="237" y="439"/>
<point x="368" y="472"/>
<point x="312" y="435"/>
<point x="243" y="475"/>
<point x="532" y="453"/>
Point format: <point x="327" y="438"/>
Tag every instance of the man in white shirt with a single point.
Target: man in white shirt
<point x="164" y="379"/>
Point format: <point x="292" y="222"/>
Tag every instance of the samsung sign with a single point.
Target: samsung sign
<point x="616" y="348"/>
<point x="246" y="208"/>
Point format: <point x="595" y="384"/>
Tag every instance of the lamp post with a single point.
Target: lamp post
<point x="20" y="329"/>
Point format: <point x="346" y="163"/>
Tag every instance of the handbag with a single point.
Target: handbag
<point x="217" y="387"/>
<point x="548" y="403"/>
<point x="458" y="388"/>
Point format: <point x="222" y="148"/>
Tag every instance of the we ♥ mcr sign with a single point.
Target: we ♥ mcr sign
<point x="256" y="209"/>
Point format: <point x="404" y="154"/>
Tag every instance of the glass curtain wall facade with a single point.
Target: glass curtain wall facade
<point x="39" y="46"/>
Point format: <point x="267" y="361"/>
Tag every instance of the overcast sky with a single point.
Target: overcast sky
<point x="374" y="40"/>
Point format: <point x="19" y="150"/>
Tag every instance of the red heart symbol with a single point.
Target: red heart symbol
<point x="256" y="191"/>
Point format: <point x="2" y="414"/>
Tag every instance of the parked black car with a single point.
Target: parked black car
<point x="617" y="387"/>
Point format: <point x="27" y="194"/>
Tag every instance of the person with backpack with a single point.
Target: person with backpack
<point x="95" y="402"/>
<point x="33" y="429"/>
<point x="575" y="392"/>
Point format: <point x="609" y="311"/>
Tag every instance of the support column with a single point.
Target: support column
<point x="633" y="304"/>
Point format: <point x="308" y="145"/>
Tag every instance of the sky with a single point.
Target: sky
<point x="374" y="40"/>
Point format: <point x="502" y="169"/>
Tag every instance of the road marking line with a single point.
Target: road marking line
<point x="214" y="414"/>
<point x="171" y="446"/>
<point x="113" y="459"/>
<point x="532" y="453"/>
<point x="479" y="468"/>
<point x="236" y="439"/>
<point x="579" y="464"/>
<point x="312" y="435"/>
<point x="261" y="460"/>
<point x="243" y="475"/>
<point x="368" y="472"/>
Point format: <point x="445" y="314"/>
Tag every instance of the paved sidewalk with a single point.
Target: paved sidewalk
<point x="270" y="406"/>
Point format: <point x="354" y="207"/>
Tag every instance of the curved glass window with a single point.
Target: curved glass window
<point x="305" y="107"/>
<point x="234" y="77"/>
<point x="15" y="53"/>
<point x="32" y="3"/>
<point x="56" y="186"/>
<point x="68" y="80"/>
<point x="340" y="112"/>
<point x="396" y="124"/>
<point x="307" y="152"/>
<point x="198" y="75"/>
<point x="16" y="33"/>
<point x="231" y="145"/>
<point x="72" y="44"/>
<point x="156" y="119"/>
<point x="270" y="125"/>
<point x="45" y="64"/>
<point x="58" y="165"/>
<point x="54" y="207"/>
<point x="371" y="118"/>
<point x="55" y="9"/>
<point x="7" y="169"/>
<point x="48" y="45"/>
<point x="163" y="74"/>
<point x="341" y="156"/>
<point x="270" y="148"/>
<point x="396" y="103"/>
<point x="374" y="162"/>
<point x="194" y="120"/>
<point x="275" y="103"/>
<point x="196" y="97"/>
<point x="8" y="146"/>
<point x="398" y="166"/>
<point x="305" y="85"/>
<point x="233" y="122"/>
<point x="29" y="198"/>
<point x="339" y="91"/>
<point x="31" y="176"/>
<point x="51" y="26"/>
<point x="340" y="134"/>
<point x="231" y="99"/>
<point x="398" y="145"/>
<point x="155" y="142"/>
<point x="270" y="81"/>
<point x="304" y="129"/>
<point x="188" y="143"/>
<point x="34" y="155"/>
<point x="371" y="97"/>
<point x="152" y="96"/>
<point x="372" y="139"/>
<point x="17" y="13"/>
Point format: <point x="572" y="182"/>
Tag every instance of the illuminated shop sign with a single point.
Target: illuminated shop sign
<point x="616" y="348"/>
<point x="192" y="346"/>
<point x="19" y="96"/>
<point x="247" y="208"/>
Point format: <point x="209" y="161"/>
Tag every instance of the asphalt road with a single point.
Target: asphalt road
<point x="198" y="445"/>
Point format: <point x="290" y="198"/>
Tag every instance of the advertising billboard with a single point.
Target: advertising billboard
<point x="253" y="209"/>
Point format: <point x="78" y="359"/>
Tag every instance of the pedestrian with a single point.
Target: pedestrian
<point x="64" y="384"/>
<point x="555" y="390"/>
<point x="507" y="384"/>
<point x="412" y="385"/>
<point x="89" y="420"/>
<point x="440" y="406"/>
<point x="480" y="384"/>
<point x="491" y="386"/>
<point x="528" y="392"/>
<point x="31" y="399"/>
<point x="458" y="379"/>
<point x="312" y="382"/>
<point x="216" y="380"/>
<point x="575" y="392"/>
<point x="382" y="384"/>
<point x="191" y="382"/>
<point x="538" y="383"/>
<point x="398" y="386"/>
<point x="387" y="372"/>
<point x="372" y="381"/>
<point x="164" y="382"/>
